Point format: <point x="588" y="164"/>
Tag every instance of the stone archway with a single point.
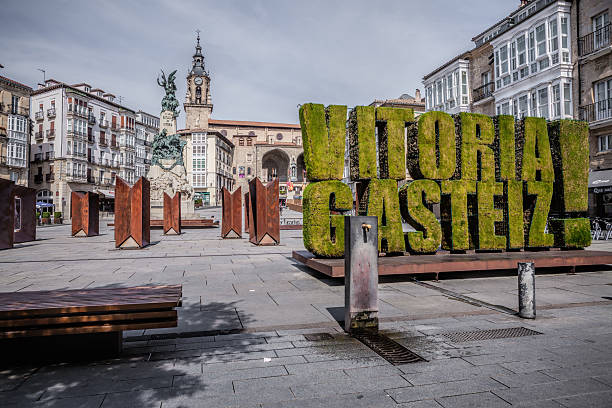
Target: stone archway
<point x="275" y="165"/>
<point x="301" y="168"/>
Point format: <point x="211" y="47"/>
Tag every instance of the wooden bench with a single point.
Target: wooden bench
<point x="100" y="314"/>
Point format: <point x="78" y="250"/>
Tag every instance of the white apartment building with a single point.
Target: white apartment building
<point x="209" y="164"/>
<point x="147" y="126"/>
<point x="447" y="88"/>
<point x="83" y="140"/>
<point x="533" y="62"/>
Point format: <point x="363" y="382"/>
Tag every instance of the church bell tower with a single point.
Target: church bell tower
<point x="198" y="103"/>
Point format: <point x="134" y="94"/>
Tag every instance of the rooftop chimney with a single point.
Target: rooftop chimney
<point x="417" y="94"/>
<point x="524" y="3"/>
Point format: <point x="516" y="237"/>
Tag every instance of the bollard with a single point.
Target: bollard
<point x="360" y="274"/>
<point x="526" y="290"/>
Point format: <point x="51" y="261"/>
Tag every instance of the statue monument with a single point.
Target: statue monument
<point x="167" y="173"/>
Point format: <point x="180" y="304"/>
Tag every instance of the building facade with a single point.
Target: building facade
<point x="15" y="130"/>
<point x="83" y="140"/>
<point x="594" y="95"/>
<point x="447" y="87"/>
<point x="147" y="126"/>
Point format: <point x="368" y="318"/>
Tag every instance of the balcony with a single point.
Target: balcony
<point x="91" y="119"/>
<point x="103" y="123"/>
<point x="76" y="178"/>
<point x="40" y="115"/>
<point x="91" y="139"/>
<point x="147" y="161"/>
<point x="51" y="113"/>
<point x="483" y="92"/>
<point x="594" y="41"/>
<point x="49" y="178"/>
<point x="38" y="157"/>
<point x="78" y="110"/>
<point x="76" y="134"/>
<point x="38" y="178"/>
<point x="14" y="109"/>
<point x="49" y="155"/>
<point x="114" y="145"/>
<point x="91" y="180"/>
<point x="597" y="111"/>
<point x="102" y="142"/>
<point x="147" y="143"/>
<point x="114" y="127"/>
<point x="50" y="133"/>
<point x="39" y="135"/>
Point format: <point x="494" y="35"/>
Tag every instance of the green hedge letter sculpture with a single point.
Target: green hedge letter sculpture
<point x="323" y="231"/>
<point x="414" y="199"/>
<point x="383" y="202"/>
<point x="391" y="123"/>
<point x="362" y="143"/>
<point x="323" y="131"/>
<point x="488" y="215"/>
<point x="477" y="137"/>
<point x="432" y="147"/>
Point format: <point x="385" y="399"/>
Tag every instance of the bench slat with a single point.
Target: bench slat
<point x="63" y="320"/>
<point x="87" y="329"/>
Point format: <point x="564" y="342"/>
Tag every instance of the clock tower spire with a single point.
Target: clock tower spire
<point x="198" y="103"/>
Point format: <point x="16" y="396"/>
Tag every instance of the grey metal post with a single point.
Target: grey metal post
<point x="526" y="290"/>
<point x="360" y="274"/>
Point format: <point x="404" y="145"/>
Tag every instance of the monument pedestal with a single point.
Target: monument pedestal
<point x="170" y="182"/>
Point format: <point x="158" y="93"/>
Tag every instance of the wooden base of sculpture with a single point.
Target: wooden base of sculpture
<point x="172" y="214"/>
<point x="7" y="214"/>
<point x="85" y="214"/>
<point x="231" y="221"/>
<point x="132" y="214"/>
<point x="264" y="217"/>
<point x="25" y="214"/>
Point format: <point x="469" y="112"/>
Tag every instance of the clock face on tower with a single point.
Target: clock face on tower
<point x="198" y="81"/>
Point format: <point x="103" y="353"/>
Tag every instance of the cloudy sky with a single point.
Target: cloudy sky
<point x="265" y="56"/>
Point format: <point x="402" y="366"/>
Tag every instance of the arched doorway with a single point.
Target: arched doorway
<point x="275" y="165"/>
<point x="301" y="168"/>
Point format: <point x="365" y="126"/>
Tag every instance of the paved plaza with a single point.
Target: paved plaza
<point x="244" y="337"/>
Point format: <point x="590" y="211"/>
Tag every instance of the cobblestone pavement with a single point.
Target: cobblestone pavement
<point x="270" y="304"/>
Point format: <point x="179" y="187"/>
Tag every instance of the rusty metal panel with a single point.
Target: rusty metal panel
<point x="7" y="214"/>
<point x="264" y="213"/>
<point x="25" y="215"/>
<point x="140" y="218"/>
<point x="172" y="213"/>
<point x="85" y="214"/>
<point x="122" y="211"/>
<point x="231" y="221"/>
<point x="360" y="274"/>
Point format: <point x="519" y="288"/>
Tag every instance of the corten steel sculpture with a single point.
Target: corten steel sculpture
<point x="85" y="214"/>
<point x="172" y="214"/>
<point x="232" y="214"/>
<point x="25" y="214"/>
<point x="132" y="214"/>
<point x="7" y="214"/>
<point x="264" y="217"/>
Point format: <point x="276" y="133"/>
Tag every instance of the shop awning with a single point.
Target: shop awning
<point x="599" y="179"/>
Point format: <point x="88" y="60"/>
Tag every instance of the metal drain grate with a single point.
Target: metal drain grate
<point x="318" y="336"/>
<point x="490" y="334"/>
<point x="388" y="349"/>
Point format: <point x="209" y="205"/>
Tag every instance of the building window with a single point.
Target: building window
<point x="503" y="55"/>
<point x="556" y="101"/>
<point x="464" y="88"/>
<point x="603" y="99"/>
<point x="554" y="35"/>
<point x="564" y="32"/>
<point x="605" y="143"/>
<point x="248" y="171"/>
<point x="279" y="136"/>
<point x="241" y="141"/>
<point x="567" y="99"/>
<point x="543" y="102"/>
<point x="522" y="106"/>
<point x="249" y="141"/>
<point x="541" y="39"/>
<point x="520" y="46"/>
<point x="601" y="37"/>
<point x="531" y="47"/>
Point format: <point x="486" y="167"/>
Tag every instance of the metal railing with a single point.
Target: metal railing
<point x="38" y="135"/>
<point x="51" y="113"/>
<point x="483" y="91"/>
<point x="600" y="110"/>
<point x="92" y="119"/>
<point x="103" y="123"/>
<point x="40" y="115"/>
<point x="50" y="133"/>
<point x="102" y="141"/>
<point x="49" y="155"/>
<point x="594" y="41"/>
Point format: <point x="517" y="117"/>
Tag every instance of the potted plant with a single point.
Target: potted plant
<point x="57" y="217"/>
<point x="46" y="217"/>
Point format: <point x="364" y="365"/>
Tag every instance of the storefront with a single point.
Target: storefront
<point x="600" y="193"/>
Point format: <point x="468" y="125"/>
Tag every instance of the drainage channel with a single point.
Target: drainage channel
<point x="388" y="349"/>
<point x="466" y="299"/>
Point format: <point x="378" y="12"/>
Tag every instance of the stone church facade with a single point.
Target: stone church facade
<point x="229" y="153"/>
